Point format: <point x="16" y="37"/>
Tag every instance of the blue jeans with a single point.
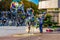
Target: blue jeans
<point x="41" y="28"/>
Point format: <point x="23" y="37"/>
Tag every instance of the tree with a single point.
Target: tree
<point x="5" y="4"/>
<point x="47" y="20"/>
<point x="28" y="4"/>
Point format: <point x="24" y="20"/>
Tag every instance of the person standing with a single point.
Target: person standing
<point x="41" y="18"/>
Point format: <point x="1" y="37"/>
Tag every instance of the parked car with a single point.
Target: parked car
<point x="49" y="30"/>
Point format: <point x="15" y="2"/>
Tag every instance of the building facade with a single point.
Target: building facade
<point x="52" y="7"/>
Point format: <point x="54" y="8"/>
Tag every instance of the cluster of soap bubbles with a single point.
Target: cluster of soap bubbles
<point x="14" y="18"/>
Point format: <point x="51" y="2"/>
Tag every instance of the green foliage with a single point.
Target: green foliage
<point x="48" y="22"/>
<point x="5" y="5"/>
<point x="55" y="26"/>
<point x="36" y="12"/>
<point x="48" y="16"/>
<point x="28" y="4"/>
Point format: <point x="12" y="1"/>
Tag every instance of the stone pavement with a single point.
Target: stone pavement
<point x="24" y="37"/>
<point x="39" y="36"/>
<point x="51" y="36"/>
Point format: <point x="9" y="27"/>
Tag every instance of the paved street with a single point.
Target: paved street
<point x="44" y="36"/>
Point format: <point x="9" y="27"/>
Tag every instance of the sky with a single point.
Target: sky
<point x="34" y="1"/>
